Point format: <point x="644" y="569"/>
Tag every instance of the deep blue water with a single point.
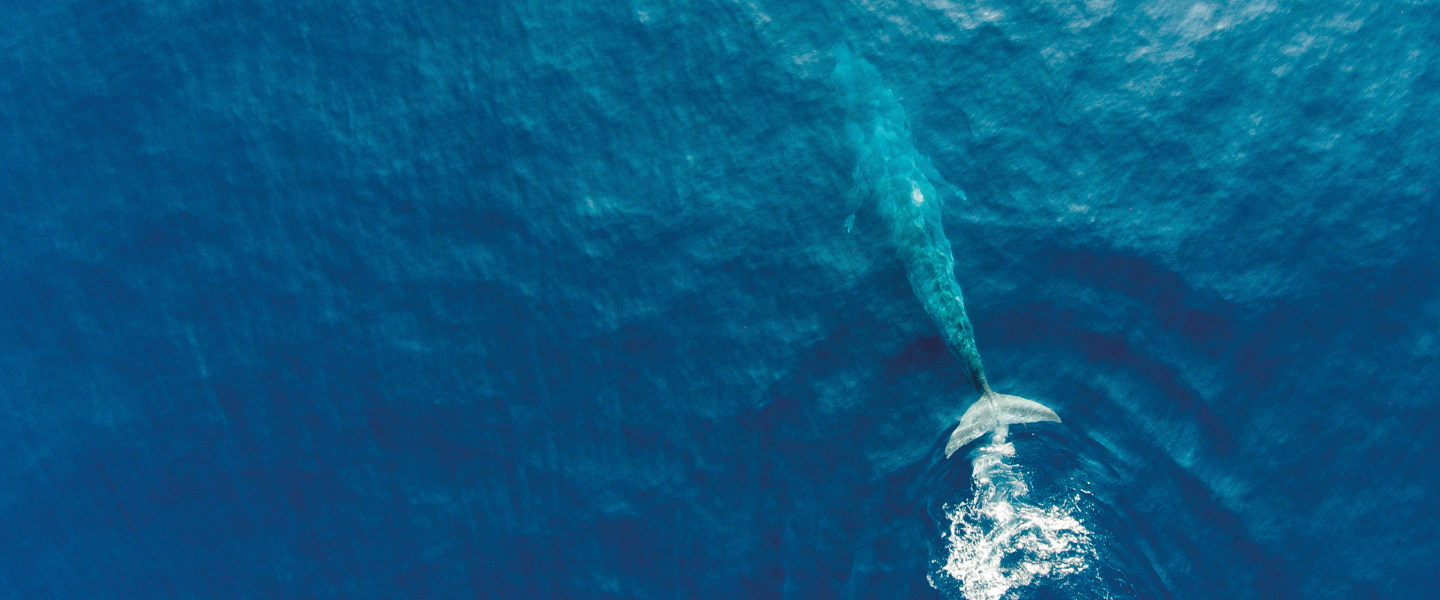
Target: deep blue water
<point x="556" y="300"/>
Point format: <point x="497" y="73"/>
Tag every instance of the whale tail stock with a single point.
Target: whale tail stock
<point x="994" y="411"/>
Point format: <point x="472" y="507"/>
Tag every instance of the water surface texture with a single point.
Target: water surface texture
<point x="565" y="300"/>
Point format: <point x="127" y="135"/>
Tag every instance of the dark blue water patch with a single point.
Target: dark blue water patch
<point x="1384" y="302"/>
<point x="1206" y="322"/>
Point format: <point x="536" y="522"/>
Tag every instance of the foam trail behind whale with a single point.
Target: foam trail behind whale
<point x="1002" y="540"/>
<point x="901" y="181"/>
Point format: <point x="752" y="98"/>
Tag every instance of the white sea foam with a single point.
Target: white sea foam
<point x="1000" y="540"/>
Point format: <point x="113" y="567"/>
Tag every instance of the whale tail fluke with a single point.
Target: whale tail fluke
<point x="994" y="410"/>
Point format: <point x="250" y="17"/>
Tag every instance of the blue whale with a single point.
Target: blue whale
<point x="899" y="179"/>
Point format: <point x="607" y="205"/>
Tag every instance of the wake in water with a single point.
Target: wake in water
<point x="1001" y="540"/>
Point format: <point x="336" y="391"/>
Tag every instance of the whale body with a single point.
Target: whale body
<point x="900" y="180"/>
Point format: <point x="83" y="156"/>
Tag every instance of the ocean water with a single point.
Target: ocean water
<point x="565" y="300"/>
